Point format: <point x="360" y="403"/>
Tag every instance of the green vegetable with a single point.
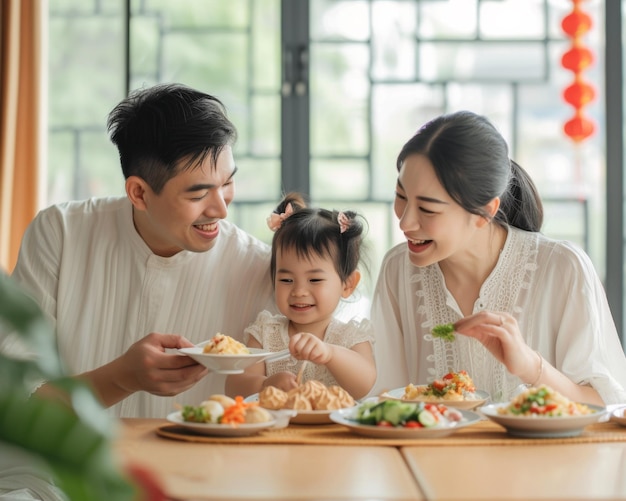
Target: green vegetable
<point x="443" y="331"/>
<point x="394" y="412"/>
<point x="427" y="419"/>
<point x="195" y="414"/>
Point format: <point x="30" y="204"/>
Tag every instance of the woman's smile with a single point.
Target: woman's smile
<point x="419" y="245"/>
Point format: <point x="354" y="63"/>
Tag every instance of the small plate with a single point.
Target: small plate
<point x="543" y="427"/>
<point x="232" y="364"/>
<point x="220" y="430"/>
<point x="467" y="404"/>
<point x="301" y="417"/>
<point x="619" y="416"/>
<point x="346" y="418"/>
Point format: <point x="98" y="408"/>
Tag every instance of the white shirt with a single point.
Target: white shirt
<point x="549" y="286"/>
<point x="92" y="273"/>
<point x="272" y="333"/>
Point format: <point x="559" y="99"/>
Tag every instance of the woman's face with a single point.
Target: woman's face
<point x="435" y="226"/>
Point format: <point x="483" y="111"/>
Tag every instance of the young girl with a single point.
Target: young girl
<point x="526" y="309"/>
<point x="315" y="254"/>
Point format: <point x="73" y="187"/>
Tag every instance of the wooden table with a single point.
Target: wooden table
<point x="197" y="471"/>
<point x="341" y="471"/>
<point x="563" y="471"/>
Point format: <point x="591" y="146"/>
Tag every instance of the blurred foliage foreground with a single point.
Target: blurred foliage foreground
<point x="74" y="441"/>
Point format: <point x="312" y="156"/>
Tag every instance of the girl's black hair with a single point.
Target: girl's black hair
<point x="471" y="161"/>
<point x="163" y="129"/>
<point x="311" y="231"/>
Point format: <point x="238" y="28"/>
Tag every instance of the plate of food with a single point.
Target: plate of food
<point x="313" y="402"/>
<point x="220" y="430"/>
<point x="543" y="413"/>
<point x="398" y="419"/>
<point x="224" y="416"/>
<point x="455" y="389"/>
<point x="226" y="355"/>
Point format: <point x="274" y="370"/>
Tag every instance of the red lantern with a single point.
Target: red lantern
<point x="577" y="59"/>
<point x="579" y="94"/>
<point x="577" y="23"/>
<point x="579" y="128"/>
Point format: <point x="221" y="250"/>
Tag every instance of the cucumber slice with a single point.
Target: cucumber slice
<point x="427" y="419"/>
<point x="396" y="412"/>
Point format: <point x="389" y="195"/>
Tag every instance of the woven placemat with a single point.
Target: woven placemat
<point x="481" y="433"/>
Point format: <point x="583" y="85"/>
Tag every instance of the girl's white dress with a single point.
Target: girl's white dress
<point x="272" y="332"/>
<point x="549" y="286"/>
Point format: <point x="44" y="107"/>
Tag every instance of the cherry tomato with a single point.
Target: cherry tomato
<point x="413" y="424"/>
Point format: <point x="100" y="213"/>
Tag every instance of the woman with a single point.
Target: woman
<point x="526" y="309"/>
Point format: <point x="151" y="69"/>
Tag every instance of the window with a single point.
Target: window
<point x="325" y="92"/>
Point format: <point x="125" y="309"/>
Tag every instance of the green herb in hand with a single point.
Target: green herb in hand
<point x="444" y="331"/>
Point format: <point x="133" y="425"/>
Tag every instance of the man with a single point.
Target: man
<point x="127" y="280"/>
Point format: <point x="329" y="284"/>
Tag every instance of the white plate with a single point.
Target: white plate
<point x="231" y="364"/>
<point x="346" y="418"/>
<point x="619" y="416"/>
<point x="467" y="404"/>
<point x="220" y="430"/>
<point x="301" y="417"/>
<point x="543" y="427"/>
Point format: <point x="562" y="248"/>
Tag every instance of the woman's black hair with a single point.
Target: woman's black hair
<point x="471" y="161"/>
<point x="157" y="128"/>
<point x="312" y="231"/>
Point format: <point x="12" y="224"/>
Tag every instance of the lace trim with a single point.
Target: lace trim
<point x="272" y="332"/>
<point x="502" y="291"/>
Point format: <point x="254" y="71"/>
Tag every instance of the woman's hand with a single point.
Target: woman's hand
<point x="307" y="346"/>
<point x="500" y="334"/>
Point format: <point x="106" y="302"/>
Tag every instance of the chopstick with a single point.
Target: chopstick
<point x="301" y="372"/>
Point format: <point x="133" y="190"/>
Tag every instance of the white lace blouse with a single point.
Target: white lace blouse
<point x="549" y="286"/>
<point x="273" y="334"/>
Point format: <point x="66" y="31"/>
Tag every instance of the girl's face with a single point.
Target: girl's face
<point x="307" y="291"/>
<point x="435" y="226"/>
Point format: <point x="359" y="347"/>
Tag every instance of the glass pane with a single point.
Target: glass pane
<point x="397" y="112"/>
<point x="436" y="20"/>
<point x="340" y="93"/>
<point x="257" y="180"/>
<point x="186" y="14"/>
<point x="84" y="83"/>
<point x="265" y="123"/>
<point x="339" y="179"/>
<point x="523" y="19"/>
<point x="393" y="40"/>
<point x="482" y="61"/>
<point x="339" y="20"/>
<point x="265" y="41"/>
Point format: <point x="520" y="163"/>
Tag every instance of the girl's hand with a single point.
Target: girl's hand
<point x="282" y="380"/>
<point x="307" y="346"/>
<point x="500" y="334"/>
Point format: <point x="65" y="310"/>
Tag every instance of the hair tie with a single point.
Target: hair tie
<point x="344" y="222"/>
<point x="275" y="220"/>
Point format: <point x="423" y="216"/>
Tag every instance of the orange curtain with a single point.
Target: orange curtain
<point x="22" y="119"/>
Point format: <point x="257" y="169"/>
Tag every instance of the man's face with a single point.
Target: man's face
<point x="186" y="214"/>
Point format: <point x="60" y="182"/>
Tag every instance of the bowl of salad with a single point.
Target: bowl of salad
<point x="542" y="412"/>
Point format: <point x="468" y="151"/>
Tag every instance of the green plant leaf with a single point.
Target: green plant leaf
<point x="73" y="439"/>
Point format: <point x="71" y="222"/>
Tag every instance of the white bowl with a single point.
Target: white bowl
<point x="231" y="364"/>
<point x="543" y="426"/>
